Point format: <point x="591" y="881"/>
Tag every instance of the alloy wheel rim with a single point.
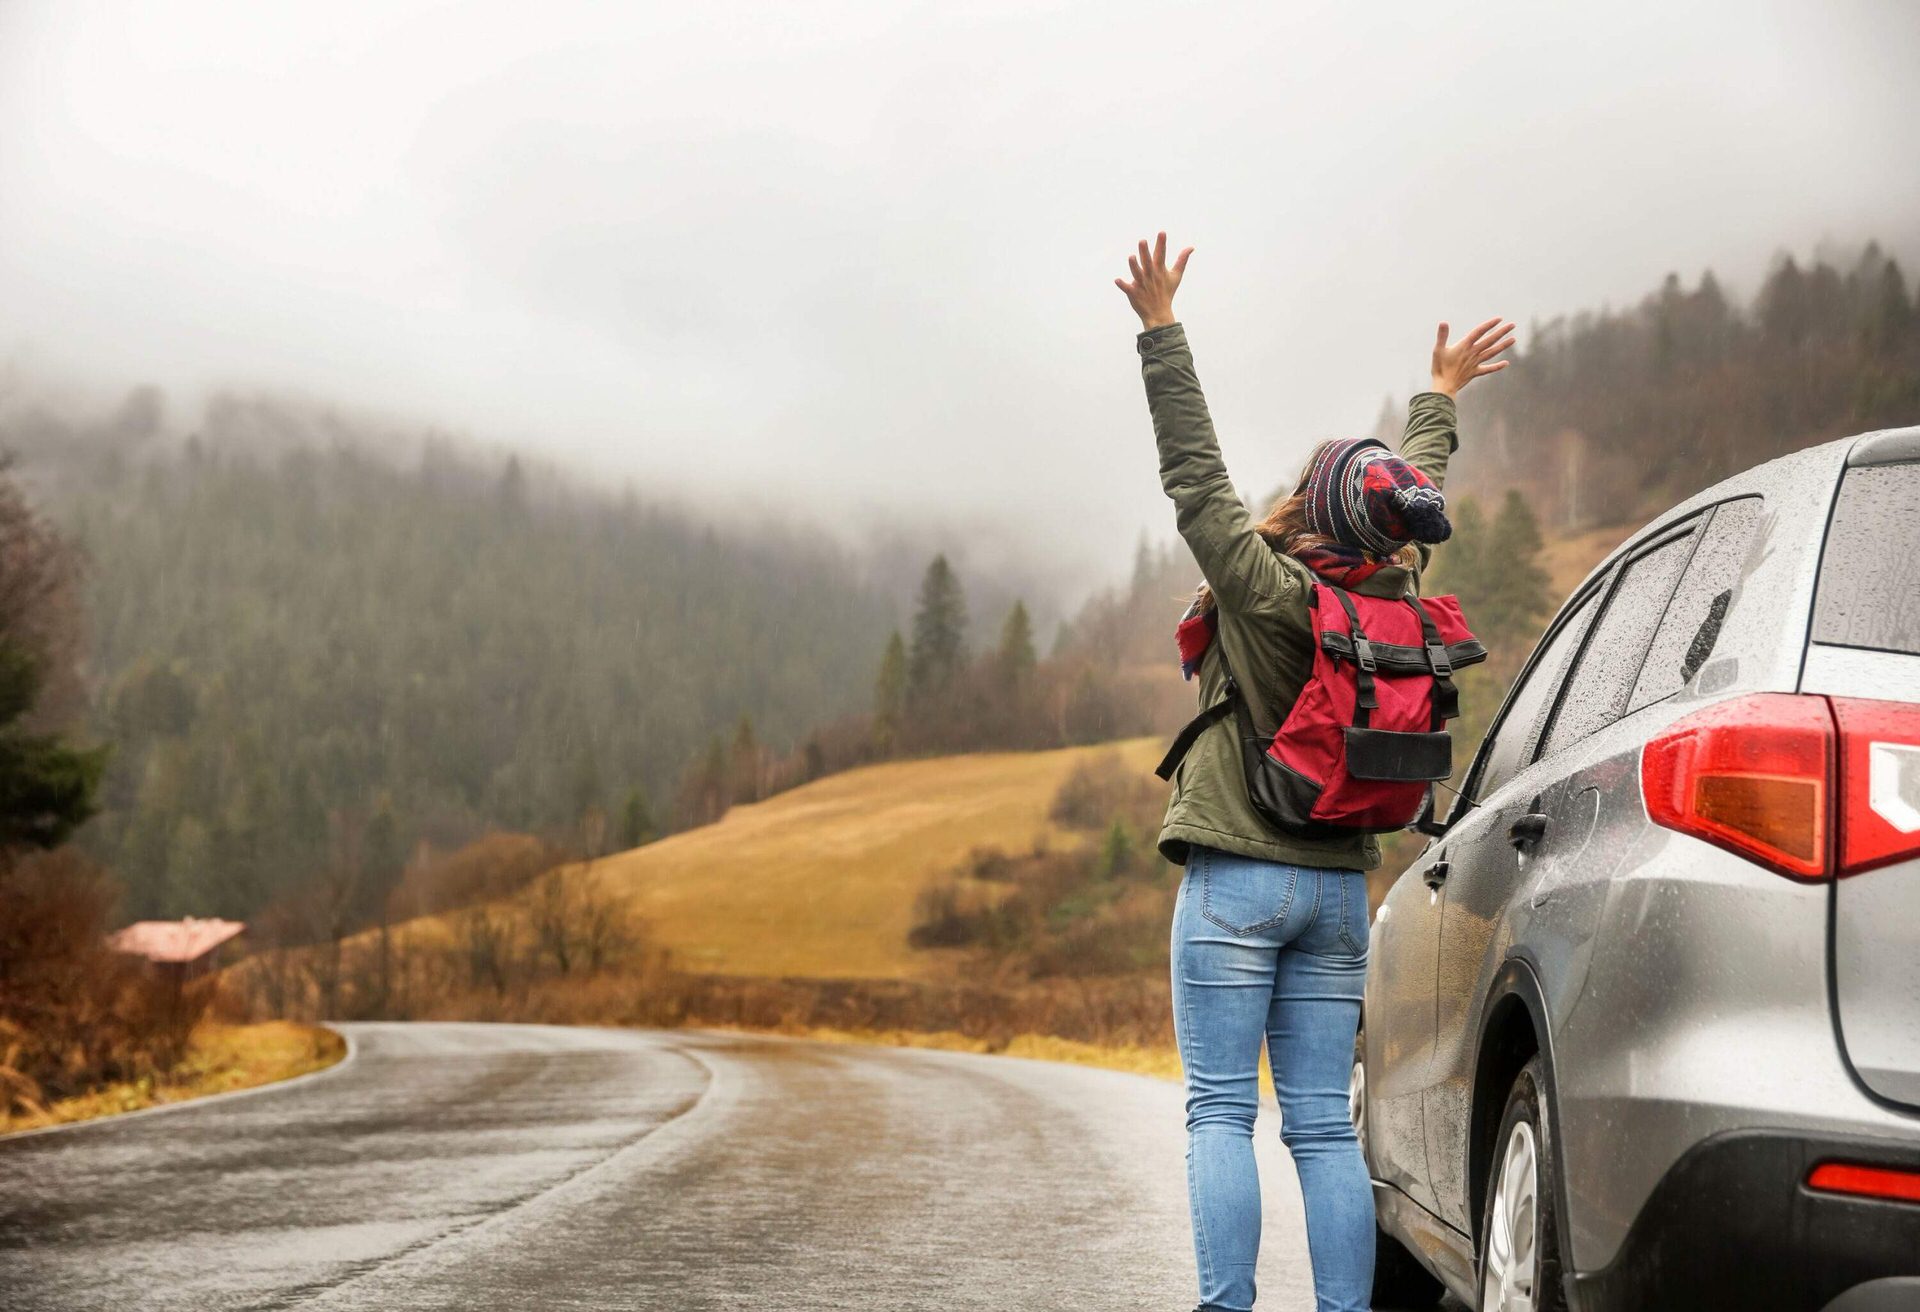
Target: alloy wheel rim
<point x="1513" y="1230"/>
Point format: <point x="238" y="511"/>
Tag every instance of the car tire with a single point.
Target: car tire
<point x="1519" y="1232"/>
<point x="1398" y="1278"/>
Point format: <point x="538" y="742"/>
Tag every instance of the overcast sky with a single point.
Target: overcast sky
<point x="854" y="255"/>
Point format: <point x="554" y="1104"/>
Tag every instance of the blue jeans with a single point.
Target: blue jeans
<point x="1264" y="950"/>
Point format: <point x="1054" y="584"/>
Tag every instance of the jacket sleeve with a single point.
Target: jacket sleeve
<point x="1243" y="571"/>
<point x="1432" y="436"/>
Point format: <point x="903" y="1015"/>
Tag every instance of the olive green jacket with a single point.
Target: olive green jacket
<point x="1265" y="626"/>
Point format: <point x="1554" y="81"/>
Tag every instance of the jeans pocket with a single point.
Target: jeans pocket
<point x="1244" y="895"/>
<point x="1353" y="912"/>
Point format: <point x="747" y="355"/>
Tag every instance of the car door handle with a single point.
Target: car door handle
<point x="1527" y="830"/>
<point x="1436" y="874"/>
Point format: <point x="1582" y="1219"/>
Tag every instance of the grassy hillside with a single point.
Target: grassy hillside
<point x="821" y="881"/>
<point x="982" y="900"/>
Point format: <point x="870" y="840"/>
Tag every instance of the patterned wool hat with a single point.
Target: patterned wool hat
<point x="1362" y="495"/>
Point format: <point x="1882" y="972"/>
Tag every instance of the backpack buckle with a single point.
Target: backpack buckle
<point x="1437" y="659"/>
<point x="1363" y="654"/>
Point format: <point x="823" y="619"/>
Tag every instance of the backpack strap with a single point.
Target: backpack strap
<point x="1232" y="702"/>
<point x="1198" y="725"/>
<point x="1366" y="700"/>
<point x="1446" y="697"/>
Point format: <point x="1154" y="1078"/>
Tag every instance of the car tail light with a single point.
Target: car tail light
<point x="1790" y="780"/>
<point x="1865" y="1181"/>
<point x="1751" y="775"/>
<point x="1879" y="782"/>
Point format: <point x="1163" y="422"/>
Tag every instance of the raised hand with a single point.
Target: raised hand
<point x="1154" y="283"/>
<point x="1456" y="366"/>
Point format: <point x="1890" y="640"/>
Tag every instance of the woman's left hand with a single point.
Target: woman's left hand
<point x="1154" y="283"/>
<point x="1456" y="366"/>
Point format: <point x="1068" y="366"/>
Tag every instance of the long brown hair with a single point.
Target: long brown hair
<point x="1286" y="531"/>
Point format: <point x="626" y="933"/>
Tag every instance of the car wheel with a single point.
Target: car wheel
<point x="1519" y="1245"/>
<point x="1398" y="1278"/>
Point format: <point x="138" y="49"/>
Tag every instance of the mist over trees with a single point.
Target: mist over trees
<point x="309" y="657"/>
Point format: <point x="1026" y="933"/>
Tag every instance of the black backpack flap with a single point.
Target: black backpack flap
<point x="1398" y="757"/>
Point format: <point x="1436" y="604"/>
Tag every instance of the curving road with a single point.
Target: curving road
<point x="515" y="1166"/>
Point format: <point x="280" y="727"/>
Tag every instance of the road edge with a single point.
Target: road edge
<point x="275" y="1086"/>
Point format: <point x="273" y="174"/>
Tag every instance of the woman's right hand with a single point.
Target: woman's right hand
<point x="1456" y="366"/>
<point x="1151" y="291"/>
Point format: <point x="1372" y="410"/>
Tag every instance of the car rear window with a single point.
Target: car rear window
<point x="1868" y="596"/>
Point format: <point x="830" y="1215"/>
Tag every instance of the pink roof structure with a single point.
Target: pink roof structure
<point x="176" y="941"/>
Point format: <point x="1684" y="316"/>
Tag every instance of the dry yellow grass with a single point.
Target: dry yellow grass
<point x="820" y="881"/>
<point x="220" y="1058"/>
<point x="1161" y="1063"/>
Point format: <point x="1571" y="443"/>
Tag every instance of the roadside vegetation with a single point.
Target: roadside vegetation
<point x="217" y="1058"/>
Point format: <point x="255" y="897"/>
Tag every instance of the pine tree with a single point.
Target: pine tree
<point x="1888" y="314"/>
<point x="636" y="820"/>
<point x="47" y="789"/>
<point x="586" y="782"/>
<point x="745" y="765"/>
<point x="1458" y="565"/>
<point x="705" y="794"/>
<point x="890" y="694"/>
<point x="1786" y="307"/>
<point x="1143" y="565"/>
<point x="1016" y="656"/>
<point x="383" y="859"/>
<point x="939" y="648"/>
<point x="1512" y="567"/>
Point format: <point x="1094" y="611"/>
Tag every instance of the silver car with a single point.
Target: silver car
<point x="1642" y="1027"/>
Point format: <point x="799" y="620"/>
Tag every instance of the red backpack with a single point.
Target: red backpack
<point x="1367" y="736"/>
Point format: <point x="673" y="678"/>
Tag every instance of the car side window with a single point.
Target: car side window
<point x="1511" y="743"/>
<point x="1687" y="633"/>
<point x="1596" y="693"/>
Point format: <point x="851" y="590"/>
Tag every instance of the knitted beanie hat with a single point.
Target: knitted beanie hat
<point x="1362" y="495"/>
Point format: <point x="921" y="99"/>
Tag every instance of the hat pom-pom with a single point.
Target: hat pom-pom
<point x="1424" y="511"/>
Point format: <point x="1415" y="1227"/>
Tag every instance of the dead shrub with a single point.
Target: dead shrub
<point x="493" y="866"/>
<point x="1100" y="788"/>
<point x="74" y="1013"/>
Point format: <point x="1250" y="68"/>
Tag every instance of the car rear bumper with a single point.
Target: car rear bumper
<point x="1733" y="1225"/>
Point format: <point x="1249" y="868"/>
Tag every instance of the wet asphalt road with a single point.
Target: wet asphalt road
<point x="507" y="1166"/>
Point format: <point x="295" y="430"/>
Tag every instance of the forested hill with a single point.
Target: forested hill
<point x="1610" y="416"/>
<point x="307" y="656"/>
